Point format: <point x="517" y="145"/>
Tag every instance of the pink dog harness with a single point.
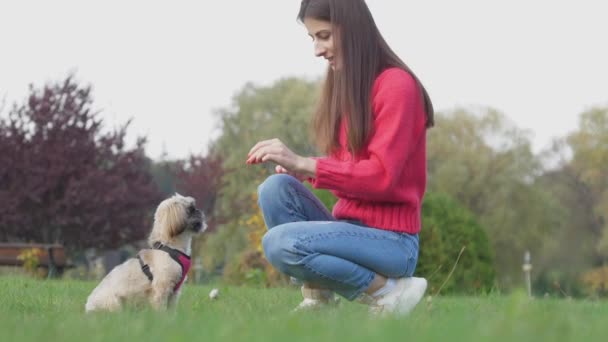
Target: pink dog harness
<point x="182" y="259"/>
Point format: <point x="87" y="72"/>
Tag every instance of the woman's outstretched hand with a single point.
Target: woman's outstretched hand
<point x="287" y="162"/>
<point x="280" y="169"/>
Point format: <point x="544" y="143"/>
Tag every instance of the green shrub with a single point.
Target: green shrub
<point x="447" y="227"/>
<point x="326" y="197"/>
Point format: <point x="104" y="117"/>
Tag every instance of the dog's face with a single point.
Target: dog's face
<point x="178" y="214"/>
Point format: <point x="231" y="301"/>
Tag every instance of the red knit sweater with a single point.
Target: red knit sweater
<point x="384" y="185"/>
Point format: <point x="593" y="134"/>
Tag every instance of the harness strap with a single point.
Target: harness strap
<point x="145" y="268"/>
<point x="181" y="258"/>
<point x="173" y="253"/>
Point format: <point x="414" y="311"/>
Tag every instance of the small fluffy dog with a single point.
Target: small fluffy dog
<point x="156" y="274"/>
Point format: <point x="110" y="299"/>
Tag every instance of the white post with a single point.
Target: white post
<point x="527" y="267"/>
<point x="198" y="270"/>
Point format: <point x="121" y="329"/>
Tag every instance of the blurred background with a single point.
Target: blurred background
<point x="108" y="107"/>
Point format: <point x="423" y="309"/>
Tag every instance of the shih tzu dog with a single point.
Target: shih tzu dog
<point x="155" y="275"/>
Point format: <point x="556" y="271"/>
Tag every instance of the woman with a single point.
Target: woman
<point x="371" y="122"/>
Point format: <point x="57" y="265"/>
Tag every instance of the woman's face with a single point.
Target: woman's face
<point x="321" y="33"/>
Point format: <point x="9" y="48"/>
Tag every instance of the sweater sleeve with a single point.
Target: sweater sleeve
<point x="396" y="102"/>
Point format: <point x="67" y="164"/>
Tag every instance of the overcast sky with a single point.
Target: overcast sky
<point x="170" y="64"/>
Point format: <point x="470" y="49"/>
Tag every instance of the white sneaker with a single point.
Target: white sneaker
<point x="401" y="300"/>
<point x="316" y="299"/>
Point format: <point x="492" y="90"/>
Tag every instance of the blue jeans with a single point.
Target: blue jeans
<point x="306" y="242"/>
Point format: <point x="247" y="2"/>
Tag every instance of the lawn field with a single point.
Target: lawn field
<point x="41" y="310"/>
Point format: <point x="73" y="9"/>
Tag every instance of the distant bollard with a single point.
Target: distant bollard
<point x="198" y="270"/>
<point x="527" y="267"/>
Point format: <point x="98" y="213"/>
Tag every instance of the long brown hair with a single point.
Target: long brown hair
<point x="363" y="54"/>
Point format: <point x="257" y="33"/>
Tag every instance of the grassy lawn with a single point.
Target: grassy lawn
<point x="36" y="310"/>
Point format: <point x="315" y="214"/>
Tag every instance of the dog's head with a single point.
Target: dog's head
<point x="177" y="215"/>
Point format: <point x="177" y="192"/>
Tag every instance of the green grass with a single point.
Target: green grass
<point x="37" y="310"/>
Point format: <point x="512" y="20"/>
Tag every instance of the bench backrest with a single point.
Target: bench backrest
<point x="9" y="253"/>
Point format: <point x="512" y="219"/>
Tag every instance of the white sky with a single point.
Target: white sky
<point x="170" y="64"/>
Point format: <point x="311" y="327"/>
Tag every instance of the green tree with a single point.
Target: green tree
<point x="589" y="146"/>
<point x="486" y="163"/>
<point x="579" y="183"/>
<point x="571" y="250"/>
<point x="281" y="110"/>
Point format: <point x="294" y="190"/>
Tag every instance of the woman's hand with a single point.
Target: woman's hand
<point x="275" y="151"/>
<point x="280" y="169"/>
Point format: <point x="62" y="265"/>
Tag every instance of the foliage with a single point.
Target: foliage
<point x="256" y="226"/>
<point x="260" y="113"/>
<point x="281" y="110"/>
<point x="486" y="164"/>
<point x="63" y="180"/>
<point x="589" y="147"/>
<point x="447" y="228"/>
<point x="31" y="259"/>
<point x="579" y="183"/>
<point x="251" y="267"/>
<point x="596" y="281"/>
<point x="571" y="251"/>
<point x="201" y="178"/>
<point x="164" y="173"/>
<point x="325" y="196"/>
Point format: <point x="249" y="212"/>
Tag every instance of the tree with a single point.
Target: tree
<point x="589" y="146"/>
<point x="486" y="164"/>
<point x="579" y="182"/>
<point x="201" y="178"/>
<point x="572" y="248"/>
<point x="163" y="173"/>
<point x="63" y="180"/>
<point x="283" y="111"/>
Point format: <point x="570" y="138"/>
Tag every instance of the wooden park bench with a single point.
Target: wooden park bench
<point x="52" y="260"/>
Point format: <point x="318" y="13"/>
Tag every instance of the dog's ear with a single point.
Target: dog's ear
<point x="173" y="219"/>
